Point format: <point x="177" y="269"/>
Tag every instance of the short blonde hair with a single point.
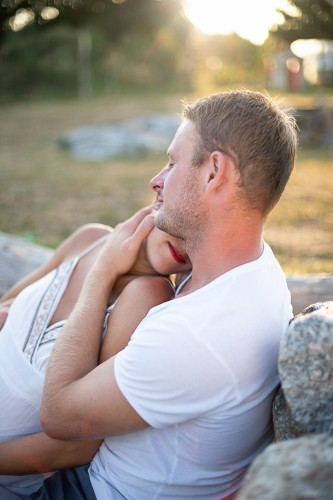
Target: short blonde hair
<point x="256" y="133"/>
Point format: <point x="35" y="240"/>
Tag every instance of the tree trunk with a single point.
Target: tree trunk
<point x="84" y="44"/>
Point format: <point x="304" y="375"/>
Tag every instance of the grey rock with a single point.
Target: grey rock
<point x="125" y="138"/>
<point x="315" y="126"/>
<point x="309" y="289"/>
<point x="306" y="370"/>
<point x="18" y="257"/>
<point x="299" y="469"/>
<point x="285" y="426"/>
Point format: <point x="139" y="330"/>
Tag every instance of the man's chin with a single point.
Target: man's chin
<point x="159" y="220"/>
<point x="162" y="223"/>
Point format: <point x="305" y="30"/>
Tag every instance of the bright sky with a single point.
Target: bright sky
<point x="251" y="19"/>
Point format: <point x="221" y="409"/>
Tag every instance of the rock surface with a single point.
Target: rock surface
<point x="306" y="370"/>
<point x="129" y="137"/>
<point x="285" y="426"/>
<point x="18" y="258"/>
<point x="299" y="469"/>
<point x="309" y="289"/>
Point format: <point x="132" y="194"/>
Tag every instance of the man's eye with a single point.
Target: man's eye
<point x="170" y="164"/>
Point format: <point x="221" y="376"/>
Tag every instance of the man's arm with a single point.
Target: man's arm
<point x="82" y="400"/>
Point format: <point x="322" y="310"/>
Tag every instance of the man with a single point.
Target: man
<point x="186" y="407"/>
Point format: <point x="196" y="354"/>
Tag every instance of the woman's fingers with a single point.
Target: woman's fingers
<point x="122" y="248"/>
<point x="133" y="222"/>
<point x="143" y="230"/>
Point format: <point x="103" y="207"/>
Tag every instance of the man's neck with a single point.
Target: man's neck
<point x="222" y="253"/>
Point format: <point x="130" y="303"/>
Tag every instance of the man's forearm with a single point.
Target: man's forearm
<point x="76" y="350"/>
<point x="76" y="392"/>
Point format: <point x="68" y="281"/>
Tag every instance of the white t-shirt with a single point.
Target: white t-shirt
<point x="201" y="370"/>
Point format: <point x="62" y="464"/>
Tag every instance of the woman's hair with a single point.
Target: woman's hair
<point x="259" y="136"/>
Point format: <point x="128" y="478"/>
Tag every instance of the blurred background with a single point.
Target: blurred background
<point x="79" y="75"/>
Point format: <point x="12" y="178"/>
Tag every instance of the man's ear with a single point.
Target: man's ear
<point x="216" y="170"/>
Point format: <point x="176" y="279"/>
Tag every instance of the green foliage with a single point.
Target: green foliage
<point x="314" y="19"/>
<point x="112" y="16"/>
<point x="153" y="63"/>
<point x="39" y="63"/>
<point x="227" y="60"/>
<point x="144" y="45"/>
<point x="135" y="45"/>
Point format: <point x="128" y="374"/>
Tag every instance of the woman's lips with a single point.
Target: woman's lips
<point x="176" y="254"/>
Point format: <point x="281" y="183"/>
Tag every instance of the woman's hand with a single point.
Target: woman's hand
<point x="121" y="249"/>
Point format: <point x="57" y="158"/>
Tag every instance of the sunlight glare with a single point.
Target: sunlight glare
<point x="49" y="13"/>
<point x="302" y="48"/>
<point x="21" y="19"/>
<point x="251" y="20"/>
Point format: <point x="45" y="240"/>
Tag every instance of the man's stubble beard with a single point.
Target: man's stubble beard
<point x="183" y="220"/>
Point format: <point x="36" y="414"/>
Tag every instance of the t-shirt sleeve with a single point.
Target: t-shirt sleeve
<point x="170" y="376"/>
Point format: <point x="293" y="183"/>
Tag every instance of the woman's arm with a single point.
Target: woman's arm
<point x="38" y="453"/>
<point x="133" y="304"/>
<point x="73" y="245"/>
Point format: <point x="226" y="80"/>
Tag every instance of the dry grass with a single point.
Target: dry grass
<point x="300" y="228"/>
<point x="45" y="193"/>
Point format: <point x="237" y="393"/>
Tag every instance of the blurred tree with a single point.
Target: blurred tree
<point x="113" y="16"/>
<point x="39" y="64"/>
<point x="226" y="60"/>
<point x="113" y="22"/>
<point x="313" y="19"/>
<point x="151" y="62"/>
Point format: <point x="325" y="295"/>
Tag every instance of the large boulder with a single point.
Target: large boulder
<point x="300" y="464"/>
<point x="18" y="257"/>
<point x="285" y="426"/>
<point x="129" y="137"/>
<point x="304" y="404"/>
<point x="299" y="469"/>
<point x="315" y="127"/>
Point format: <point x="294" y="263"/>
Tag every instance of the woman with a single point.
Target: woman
<point x="33" y="312"/>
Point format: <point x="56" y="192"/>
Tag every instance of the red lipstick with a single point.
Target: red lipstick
<point x="176" y="254"/>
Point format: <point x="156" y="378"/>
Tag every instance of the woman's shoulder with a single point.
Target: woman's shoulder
<point x="81" y="239"/>
<point x="89" y="233"/>
<point x="160" y="288"/>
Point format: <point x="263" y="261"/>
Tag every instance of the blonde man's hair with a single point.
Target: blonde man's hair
<point x="259" y="136"/>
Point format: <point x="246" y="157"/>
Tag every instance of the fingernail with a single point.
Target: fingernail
<point x="150" y="219"/>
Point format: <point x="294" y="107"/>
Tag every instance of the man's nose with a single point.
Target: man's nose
<point x="157" y="182"/>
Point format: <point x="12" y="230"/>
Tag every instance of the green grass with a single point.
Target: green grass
<point x="46" y="194"/>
